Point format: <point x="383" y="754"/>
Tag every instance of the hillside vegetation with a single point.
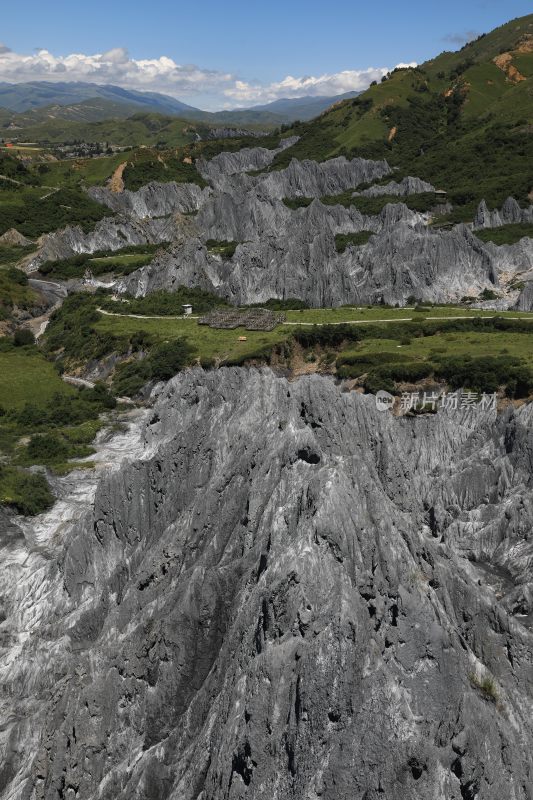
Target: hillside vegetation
<point x="140" y="128"/>
<point x="462" y="121"/>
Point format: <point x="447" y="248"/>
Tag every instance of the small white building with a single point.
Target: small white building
<point x="187" y="310"/>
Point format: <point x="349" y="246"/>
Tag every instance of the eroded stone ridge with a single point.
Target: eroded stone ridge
<point x="286" y="252"/>
<point x="290" y="594"/>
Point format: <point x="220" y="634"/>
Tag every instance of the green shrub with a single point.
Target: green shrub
<point x="342" y="240"/>
<point x="172" y="168"/>
<point x="163" y="303"/>
<point x="27" y="493"/>
<point x="46" y="448"/>
<point x="36" y="215"/>
<point x="485" y="374"/>
<point x="23" y="337"/>
<point x="486" y="685"/>
<point x="131" y="377"/>
<point x="17" y="276"/>
<point x="84" y="404"/>
<point x="221" y="248"/>
<point x="101" y="262"/>
<point x="168" y="358"/>
<point x="327" y="335"/>
<point x="289" y="304"/>
<point x="162" y="363"/>
<point x="506" y="234"/>
<point x="488" y="294"/>
<point x="297" y="202"/>
<point x="71" y="331"/>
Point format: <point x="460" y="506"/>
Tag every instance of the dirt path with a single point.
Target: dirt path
<point x="78" y="381"/>
<point x="11" y="180"/>
<point x="403" y="319"/>
<point x="54" y="190"/>
<point x="116" y="182"/>
<point x="343" y="322"/>
<point x="145" y="316"/>
<point x="355" y="321"/>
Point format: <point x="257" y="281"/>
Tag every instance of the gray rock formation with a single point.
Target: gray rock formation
<point x="153" y="200"/>
<point x="245" y="160"/>
<point x="232" y="133"/>
<point x="312" y="179"/>
<point x="404" y="188"/>
<point x="300" y="259"/>
<point x="290" y="595"/>
<point x="525" y="300"/>
<point x="291" y="253"/>
<point x="287" y="253"/>
<point x="108" y="234"/>
<point x="509" y="214"/>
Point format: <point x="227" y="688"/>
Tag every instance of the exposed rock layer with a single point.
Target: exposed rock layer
<point x="509" y="214"/>
<point x="291" y="595"/>
<point x="292" y="253"/>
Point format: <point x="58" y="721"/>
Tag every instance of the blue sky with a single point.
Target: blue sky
<point x="242" y="52"/>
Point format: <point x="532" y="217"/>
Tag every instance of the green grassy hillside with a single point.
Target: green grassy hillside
<point x="462" y="121"/>
<point x="141" y="128"/>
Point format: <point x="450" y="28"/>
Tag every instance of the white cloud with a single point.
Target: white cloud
<point x="328" y="84"/>
<point x="157" y="74"/>
<point x="411" y="64"/>
<point x="163" y="74"/>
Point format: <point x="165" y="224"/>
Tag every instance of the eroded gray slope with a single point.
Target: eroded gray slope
<point x="275" y="603"/>
<point x="292" y="253"/>
<point x="300" y="260"/>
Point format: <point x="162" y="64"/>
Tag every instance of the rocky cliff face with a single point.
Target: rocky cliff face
<point x="509" y="214"/>
<point x="153" y="201"/>
<point x="525" y="301"/>
<point x="288" y="595"/>
<point x="241" y="161"/>
<point x="291" y="253"/>
<point x="108" y="234"/>
<point x="404" y="188"/>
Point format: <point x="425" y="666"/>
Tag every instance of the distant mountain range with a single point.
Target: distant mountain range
<point x="22" y="97"/>
<point x="39" y="101"/>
